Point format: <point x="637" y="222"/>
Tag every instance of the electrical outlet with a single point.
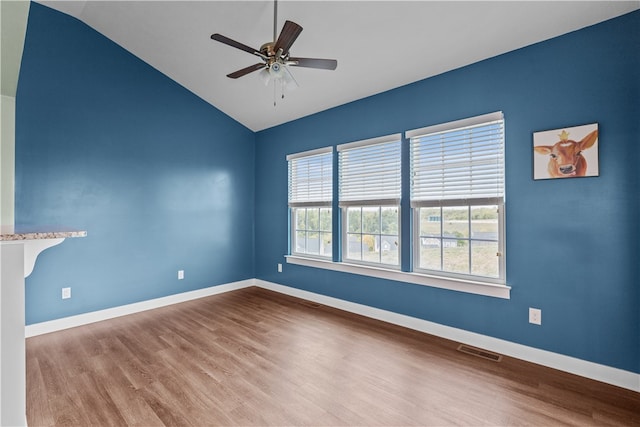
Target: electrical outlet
<point x="180" y="274"/>
<point x="535" y="316"/>
<point x="279" y="268"/>
<point x="66" y="293"/>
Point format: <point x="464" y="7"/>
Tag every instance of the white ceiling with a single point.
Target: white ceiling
<point x="379" y="45"/>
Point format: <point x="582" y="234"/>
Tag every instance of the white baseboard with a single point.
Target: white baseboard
<point x="603" y="373"/>
<point x="123" y="310"/>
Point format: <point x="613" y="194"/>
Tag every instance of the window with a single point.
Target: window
<point x="369" y="188"/>
<point x="457" y="193"/>
<point x="455" y="179"/>
<point x="310" y="200"/>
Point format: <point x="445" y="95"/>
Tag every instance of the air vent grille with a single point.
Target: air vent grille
<point x="479" y="353"/>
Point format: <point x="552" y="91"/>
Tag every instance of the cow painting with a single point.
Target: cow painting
<point x="565" y="156"/>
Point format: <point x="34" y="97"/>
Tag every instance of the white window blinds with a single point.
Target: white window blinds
<point x="462" y="160"/>
<point x="311" y="178"/>
<point x="369" y="171"/>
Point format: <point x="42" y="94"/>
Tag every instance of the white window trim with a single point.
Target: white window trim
<point x="373" y="202"/>
<point x="471" y="121"/>
<point x="292" y="233"/>
<point x="308" y="204"/>
<point x="460" y="285"/>
<point x="309" y="153"/>
<point x="345" y="240"/>
<point x="371" y="141"/>
<point x="499" y="199"/>
<point x="500" y="280"/>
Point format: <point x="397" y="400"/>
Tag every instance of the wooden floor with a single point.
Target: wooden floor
<point x="254" y="357"/>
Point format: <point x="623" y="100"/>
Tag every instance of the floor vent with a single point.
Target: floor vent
<point x="479" y="353"/>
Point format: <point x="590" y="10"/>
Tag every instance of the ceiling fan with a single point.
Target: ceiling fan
<point x="275" y="55"/>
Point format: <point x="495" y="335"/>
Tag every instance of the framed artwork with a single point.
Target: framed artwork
<point x="570" y="152"/>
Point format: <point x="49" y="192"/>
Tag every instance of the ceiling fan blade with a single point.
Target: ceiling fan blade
<point x="226" y="40"/>
<point x="288" y="35"/>
<point x="245" y="71"/>
<point x="323" y="64"/>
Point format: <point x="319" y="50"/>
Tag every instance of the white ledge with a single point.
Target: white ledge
<point x="468" y="286"/>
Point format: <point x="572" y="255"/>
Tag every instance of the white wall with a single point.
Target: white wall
<point x="7" y="159"/>
<point x="13" y="27"/>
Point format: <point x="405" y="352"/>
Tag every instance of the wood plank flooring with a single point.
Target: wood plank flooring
<point x="255" y="357"/>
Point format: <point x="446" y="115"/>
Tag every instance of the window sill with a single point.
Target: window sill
<point x="469" y="286"/>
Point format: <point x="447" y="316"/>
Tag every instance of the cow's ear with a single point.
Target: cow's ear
<point x="589" y="140"/>
<point x="542" y="149"/>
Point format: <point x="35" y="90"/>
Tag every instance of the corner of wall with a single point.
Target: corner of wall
<point x="13" y="26"/>
<point x="7" y="159"/>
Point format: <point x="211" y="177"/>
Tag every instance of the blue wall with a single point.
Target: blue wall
<point x="161" y="180"/>
<point x="572" y="245"/>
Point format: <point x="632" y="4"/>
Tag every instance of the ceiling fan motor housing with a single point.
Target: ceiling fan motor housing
<point x="267" y="49"/>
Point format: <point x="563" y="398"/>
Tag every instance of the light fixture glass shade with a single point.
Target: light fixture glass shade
<point x="276" y="70"/>
<point x="265" y="76"/>
<point x="289" y="80"/>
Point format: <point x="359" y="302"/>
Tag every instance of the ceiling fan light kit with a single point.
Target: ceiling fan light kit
<point x="276" y="56"/>
<point x="278" y="72"/>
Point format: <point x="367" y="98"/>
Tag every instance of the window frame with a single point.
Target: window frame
<point x="385" y="198"/>
<point x="498" y="198"/>
<point x="416" y="236"/>
<point x="325" y="203"/>
<point x="441" y="282"/>
<point x="345" y="237"/>
<point x="294" y="231"/>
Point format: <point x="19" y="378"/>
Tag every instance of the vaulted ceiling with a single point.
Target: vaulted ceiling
<point x="379" y="45"/>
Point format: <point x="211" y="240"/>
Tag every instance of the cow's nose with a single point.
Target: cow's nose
<point x="566" y="169"/>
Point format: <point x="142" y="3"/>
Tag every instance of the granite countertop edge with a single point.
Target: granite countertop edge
<point x="40" y="235"/>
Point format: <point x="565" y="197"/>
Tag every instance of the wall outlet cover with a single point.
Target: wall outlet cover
<point x="535" y="316"/>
